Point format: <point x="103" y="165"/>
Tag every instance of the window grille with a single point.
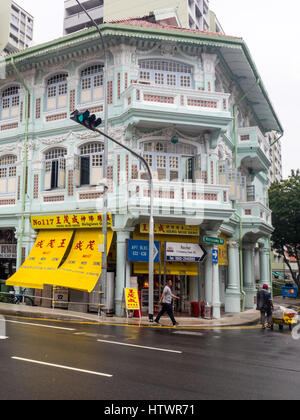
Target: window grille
<point x="91" y="148"/>
<point x="55" y="153"/>
<point x="8" y="160"/>
<point x="167" y="73"/>
<point x="10" y="102"/>
<point x="92" y="84"/>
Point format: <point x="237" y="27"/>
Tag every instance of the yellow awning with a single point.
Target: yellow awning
<point x="82" y="268"/>
<point x="44" y="259"/>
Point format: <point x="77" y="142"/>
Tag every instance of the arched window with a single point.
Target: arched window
<point x="57" y="91"/>
<point x="92" y="83"/>
<point x="171" y="161"/>
<point x="89" y="165"/>
<point x="10" y="102"/>
<point x="55" y="168"/>
<point x="166" y="73"/>
<point x="8" y="174"/>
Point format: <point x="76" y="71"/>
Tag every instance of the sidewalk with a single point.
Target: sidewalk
<point x="250" y="317"/>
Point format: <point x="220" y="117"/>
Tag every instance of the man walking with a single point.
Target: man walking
<point x="265" y="306"/>
<point x="166" y="301"/>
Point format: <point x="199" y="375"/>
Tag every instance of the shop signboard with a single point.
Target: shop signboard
<point x="183" y="252"/>
<point x="70" y="221"/>
<point x="138" y="251"/>
<point x="132" y="300"/>
<point x="171" y="229"/>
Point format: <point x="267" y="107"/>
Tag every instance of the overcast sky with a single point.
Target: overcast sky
<point x="272" y="32"/>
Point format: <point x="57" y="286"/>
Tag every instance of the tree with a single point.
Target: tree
<point x="285" y="204"/>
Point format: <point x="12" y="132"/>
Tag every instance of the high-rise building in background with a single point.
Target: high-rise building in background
<point x="19" y="31"/>
<point x="194" y="14"/>
<point x="75" y="19"/>
<point x="275" y="173"/>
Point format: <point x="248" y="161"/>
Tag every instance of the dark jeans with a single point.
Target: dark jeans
<point x="169" y="309"/>
<point x="263" y="317"/>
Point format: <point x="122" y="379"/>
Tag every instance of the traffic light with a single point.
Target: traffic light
<point x="86" y="119"/>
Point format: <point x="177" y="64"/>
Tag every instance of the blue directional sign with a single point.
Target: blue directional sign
<point x="138" y="251"/>
<point x="215" y="256"/>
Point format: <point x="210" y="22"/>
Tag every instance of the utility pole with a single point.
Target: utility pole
<point x="91" y="122"/>
<point x="105" y="153"/>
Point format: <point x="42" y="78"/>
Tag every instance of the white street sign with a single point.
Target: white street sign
<point x="182" y="252"/>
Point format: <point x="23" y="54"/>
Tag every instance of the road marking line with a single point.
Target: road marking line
<point x="140" y="347"/>
<point x="197" y="334"/>
<point x="62" y="367"/>
<point x="41" y="325"/>
<point x="111" y="324"/>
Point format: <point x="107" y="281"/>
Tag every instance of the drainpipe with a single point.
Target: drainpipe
<point x="234" y="203"/>
<point x="25" y="160"/>
<point x="243" y="293"/>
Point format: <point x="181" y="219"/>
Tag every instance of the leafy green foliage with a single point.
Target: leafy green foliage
<point x="285" y="204"/>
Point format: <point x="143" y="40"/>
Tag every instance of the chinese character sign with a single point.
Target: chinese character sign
<point x="171" y="229"/>
<point x="132" y="300"/>
<point x="69" y="221"/>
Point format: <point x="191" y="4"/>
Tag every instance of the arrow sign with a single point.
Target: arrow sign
<point x="138" y="251"/>
<point x="215" y="256"/>
<point x="182" y="252"/>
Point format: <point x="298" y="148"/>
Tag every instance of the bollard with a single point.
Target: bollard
<point x="2" y="328"/>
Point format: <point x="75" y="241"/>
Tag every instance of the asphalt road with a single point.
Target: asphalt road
<point x="46" y="360"/>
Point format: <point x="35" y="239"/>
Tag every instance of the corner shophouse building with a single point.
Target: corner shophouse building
<point x="171" y="96"/>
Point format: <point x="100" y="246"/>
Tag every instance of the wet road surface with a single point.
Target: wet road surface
<point x="49" y="360"/>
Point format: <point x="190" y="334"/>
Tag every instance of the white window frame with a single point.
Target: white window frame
<point x="8" y="174"/>
<point x="57" y="87"/>
<point x="162" y="155"/>
<point x="93" y="78"/>
<point x="95" y="152"/>
<point x="9" y="96"/>
<point x="55" y="155"/>
<point x="166" y="73"/>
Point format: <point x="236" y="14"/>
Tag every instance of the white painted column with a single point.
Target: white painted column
<point x="233" y="291"/>
<point x="264" y="266"/>
<point x="212" y="282"/>
<point x="249" y="280"/>
<point x="123" y="269"/>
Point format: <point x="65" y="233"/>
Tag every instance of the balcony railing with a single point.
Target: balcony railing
<point x="255" y="210"/>
<point x="253" y="137"/>
<point x="176" y="197"/>
<point x="147" y="96"/>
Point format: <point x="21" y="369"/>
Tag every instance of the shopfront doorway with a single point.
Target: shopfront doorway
<point x="181" y="288"/>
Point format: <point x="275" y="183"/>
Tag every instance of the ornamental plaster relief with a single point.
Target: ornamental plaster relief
<point x="8" y="149"/>
<point x="210" y="62"/>
<point x="55" y="140"/>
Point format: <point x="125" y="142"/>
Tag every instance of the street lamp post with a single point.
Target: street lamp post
<point x="105" y="152"/>
<point x="91" y="122"/>
<point x="105" y="193"/>
<point x="151" y="221"/>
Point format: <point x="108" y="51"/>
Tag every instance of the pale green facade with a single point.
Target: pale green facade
<point x="190" y="97"/>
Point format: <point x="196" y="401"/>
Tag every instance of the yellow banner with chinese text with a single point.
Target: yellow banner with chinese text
<point x="223" y="252"/>
<point x="171" y="229"/>
<point x="70" y="221"/>
<point x="132" y="300"/>
<point x="44" y="259"/>
<point x="82" y="268"/>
